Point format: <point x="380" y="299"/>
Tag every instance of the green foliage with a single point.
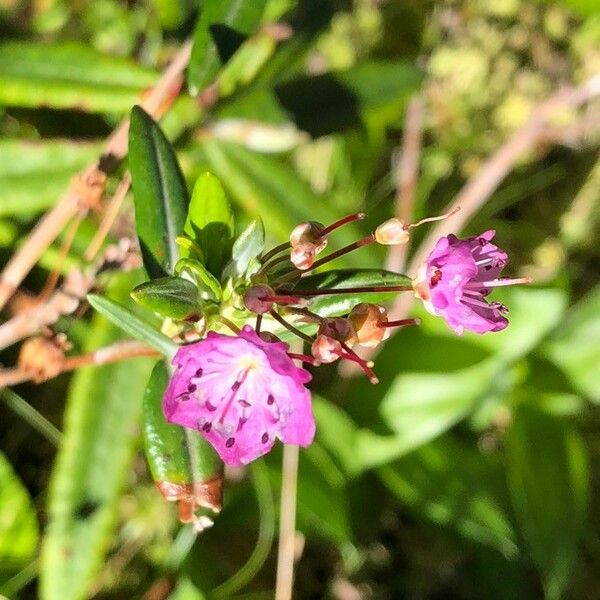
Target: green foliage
<point x="209" y="222"/>
<point x="126" y="320"/>
<point x="173" y="297"/>
<point x="471" y="469"/>
<point x="222" y="26"/>
<point x="18" y="525"/>
<point x="102" y="414"/>
<point x="547" y="470"/>
<point x="160" y="194"/>
<point x="69" y="75"/>
<point x="175" y="455"/>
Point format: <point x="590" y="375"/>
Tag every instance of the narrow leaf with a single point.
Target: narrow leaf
<point x="160" y="195"/>
<point x="181" y="461"/>
<point x="547" y="473"/>
<point x="209" y="222"/>
<point x="222" y="27"/>
<point x="173" y="297"/>
<point x="133" y="325"/>
<point x="69" y="75"/>
<point x="335" y="305"/>
<point x="101" y="421"/>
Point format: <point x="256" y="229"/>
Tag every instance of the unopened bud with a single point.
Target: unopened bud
<point x="368" y="320"/>
<point x="392" y="232"/>
<point x="326" y="349"/>
<point x="307" y="233"/>
<point x="339" y="329"/>
<point x="303" y="256"/>
<point x="258" y="299"/>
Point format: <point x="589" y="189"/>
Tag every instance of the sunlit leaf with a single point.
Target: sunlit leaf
<point x="160" y="194"/>
<point x="102" y="416"/>
<point x="209" y="222"/>
<point x="547" y="472"/>
<point x="69" y="75"/>
<point x="221" y="28"/>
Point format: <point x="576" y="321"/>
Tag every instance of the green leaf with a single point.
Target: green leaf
<point x="18" y="524"/>
<point x="186" y="590"/>
<point x="574" y="346"/>
<point x="371" y="94"/>
<point x="265" y="186"/>
<point x="101" y="422"/>
<point x="209" y="222"/>
<point x="248" y="246"/>
<point x="547" y="472"/>
<point x="34" y="173"/>
<point x="335" y="305"/>
<point x="69" y="75"/>
<point x="418" y="407"/>
<point x="133" y="325"/>
<point x="220" y="30"/>
<point x="173" y="297"/>
<point x="160" y="195"/>
<point x="209" y="287"/>
<point x="455" y="486"/>
<point x="175" y="455"/>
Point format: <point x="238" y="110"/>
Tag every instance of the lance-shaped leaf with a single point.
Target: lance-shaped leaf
<point x="209" y="222"/>
<point x="69" y="75"/>
<point x="160" y="195"/>
<point x="350" y="279"/>
<point x="222" y="27"/>
<point x="548" y="475"/>
<point x="173" y="297"/>
<point x="100" y="436"/>
<point x="133" y="325"/>
<point x="183" y="464"/>
<point x="208" y="286"/>
<point x="18" y="525"/>
<point x="249" y="245"/>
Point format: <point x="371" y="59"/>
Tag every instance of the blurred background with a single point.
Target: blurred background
<point x="473" y="469"/>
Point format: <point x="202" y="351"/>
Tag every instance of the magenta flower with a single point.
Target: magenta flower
<point x="240" y="393"/>
<point x="456" y="278"/>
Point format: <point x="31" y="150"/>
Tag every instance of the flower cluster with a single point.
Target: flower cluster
<point x="242" y="392"/>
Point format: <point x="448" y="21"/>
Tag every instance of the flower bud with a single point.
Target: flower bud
<point x="258" y="299"/>
<point x="325" y="349"/>
<point x="303" y="256"/>
<point x="392" y="232"/>
<point x="307" y="233"/>
<point x="368" y="320"/>
<point x="338" y="329"/>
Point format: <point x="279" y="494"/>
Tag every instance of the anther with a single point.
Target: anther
<point x="230" y="442"/>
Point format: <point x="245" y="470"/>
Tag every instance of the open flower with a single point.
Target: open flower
<point x="456" y="278"/>
<point x="241" y="393"/>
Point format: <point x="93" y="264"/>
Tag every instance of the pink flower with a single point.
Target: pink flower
<point x="240" y="393"/>
<point x="456" y="278"/>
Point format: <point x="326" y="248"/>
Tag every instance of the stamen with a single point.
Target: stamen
<point x="498" y="282"/>
<point x="348" y="290"/>
<point x="298" y="273"/>
<point x="230" y="442"/>
<point x="286" y="299"/>
<point x="207" y="426"/>
<point x="270" y="399"/>
<point x="400" y="323"/>
<point x="265" y="438"/>
<point x="304" y="358"/>
<point x="365" y="365"/>
<point x="349" y="219"/>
